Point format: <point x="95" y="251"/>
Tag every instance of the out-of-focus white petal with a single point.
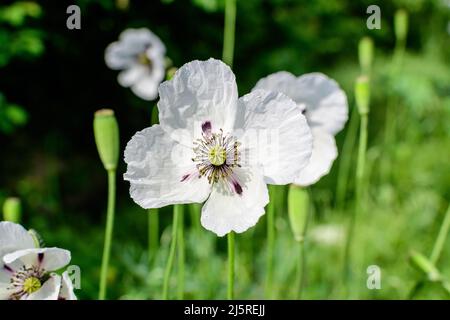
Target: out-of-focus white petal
<point x="326" y="103"/>
<point x="66" y="292"/>
<point x="146" y="88"/>
<point x="122" y="54"/>
<point x="282" y="81"/>
<point x="323" y="154"/>
<point x="49" y="290"/>
<point x="49" y="259"/>
<point x="275" y="135"/>
<point x="161" y="172"/>
<point x="200" y="91"/>
<point x="227" y="211"/>
<point x="13" y="237"/>
<point x="133" y="75"/>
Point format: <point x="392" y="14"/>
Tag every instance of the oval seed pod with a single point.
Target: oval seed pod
<point x="12" y="210"/>
<point x="106" y="132"/>
<point x="362" y="94"/>
<point x="401" y="25"/>
<point x="365" y="54"/>
<point x="424" y="265"/>
<point x="298" y="206"/>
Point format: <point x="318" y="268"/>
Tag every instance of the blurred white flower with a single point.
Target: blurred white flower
<point x="140" y="54"/>
<point x="25" y="269"/>
<point x="325" y="107"/>
<point x="330" y="235"/>
<point x="211" y="146"/>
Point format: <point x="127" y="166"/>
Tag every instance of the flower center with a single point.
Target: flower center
<point x="143" y="59"/>
<point x="217" y="155"/>
<point x="32" y="284"/>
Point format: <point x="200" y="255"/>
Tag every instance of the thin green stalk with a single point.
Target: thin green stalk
<point x="435" y="253"/>
<point x="153" y="232"/>
<point x="171" y="258"/>
<point x="270" y="243"/>
<point x="231" y="253"/>
<point x="346" y="158"/>
<point x="301" y="263"/>
<point x="440" y="240"/>
<point x="181" y="255"/>
<point x="229" y="32"/>
<point x="360" y="168"/>
<point x="108" y="233"/>
<point x="194" y="211"/>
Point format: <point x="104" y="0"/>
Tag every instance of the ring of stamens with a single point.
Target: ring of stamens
<point x="26" y="281"/>
<point x="216" y="154"/>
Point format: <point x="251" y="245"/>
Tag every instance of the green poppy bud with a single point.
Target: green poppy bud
<point x="401" y="25"/>
<point x="171" y="73"/>
<point x="12" y="210"/>
<point x="106" y="132"/>
<point x="362" y="94"/>
<point x="38" y="241"/>
<point x="298" y="206"/>
<point x="424" y="265"/>
<point x="365" y="50"/>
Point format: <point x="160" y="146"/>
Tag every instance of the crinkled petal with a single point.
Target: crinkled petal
<point x="161" y="172"/>
<point x="66" y="292"/>
<point x="14" y="237"/>
<point x="200" y="91"/>
<point x="49" y="259"/>
<point x="49" y="290"/>
<point x="323" y="155"/>
<point x="227" y="211"/>
<point x="282" y="81"/>
<point x="326" y="103"/>
<point x="274" y="135"/>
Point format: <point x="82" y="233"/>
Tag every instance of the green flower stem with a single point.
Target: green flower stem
<point x="153" y="232"/>
<point x="231" y="253"/>
<point x="346" y="158"/>
<point x="171" y="258"/>
<point x="301" y="263"/>
<point x="181" y="254"/>
<point x="360" y="168"/>
<point x="194" y="211"/>
<point x="270" y="242"/>
<point x="108" y="233"/>
<point x="229" y="32"/>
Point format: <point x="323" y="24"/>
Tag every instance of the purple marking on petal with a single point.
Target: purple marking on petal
<point x="40" y="257"/>
<point x="184" y="178"/>
<point x="237" y="187"/>
<point x="7" y="268"/>
<point x="206" y="127"/>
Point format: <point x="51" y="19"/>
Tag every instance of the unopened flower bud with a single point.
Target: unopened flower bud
<point x="12" y="210"/>
<point x="362" y="94"/>
<point x="106" y="132"/>
<point x="365" y="50"/>
<point x="401" y="25"/>
<point x="298" y="206"/>
<point x="171" y="73"/>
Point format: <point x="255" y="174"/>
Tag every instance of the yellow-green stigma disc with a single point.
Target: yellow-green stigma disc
<point x="217" y="155"/>
<point x="31" y="285"/>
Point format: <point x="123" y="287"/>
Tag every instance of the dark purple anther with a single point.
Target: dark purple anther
<point x="237" y="187"/>
<point x="206" y="127"/>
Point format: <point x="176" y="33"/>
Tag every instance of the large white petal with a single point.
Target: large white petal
<point x="66" y="292"/>
<point x="200" y="91"/>
<point x="156" y="167"/>
<point x="275" y="135"/>
<point x="227" y="211"/>
<point x="326" y="103"/>
<point x="323" y="155"/>
<point x="13" y="237"/>
<point x="49" y="290"/>
<point x="49" y="259"/>
<point x="282" y="81"/>
<point x="133" y="75"/>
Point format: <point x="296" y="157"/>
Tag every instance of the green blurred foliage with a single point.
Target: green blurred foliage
<point x="58" y="79"/>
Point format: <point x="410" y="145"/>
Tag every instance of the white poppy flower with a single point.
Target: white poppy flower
<point x="25" y="270"/>
<point x="211" y="146"/>
<point x="325" y="107"/>
<point x="140" y="54"/>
